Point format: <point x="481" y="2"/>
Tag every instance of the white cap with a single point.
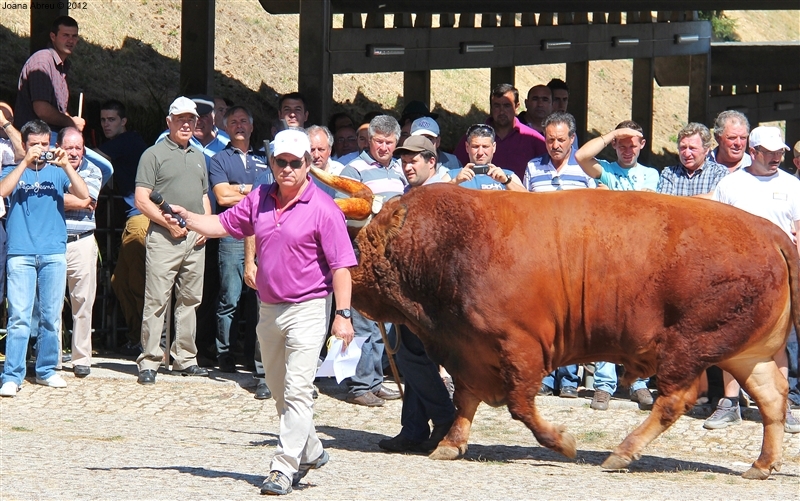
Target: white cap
<point x="294" y="142"/>
<point x="768" y="137"/>
<point x="425" y="126"/>
<point x="183" y="105"/>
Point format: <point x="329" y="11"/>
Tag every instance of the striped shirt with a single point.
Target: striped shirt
<point x="387" y="181"/>
<point x="541" y="176"/>
<point x="82" y="220"/>
<point x="676" y="180"/>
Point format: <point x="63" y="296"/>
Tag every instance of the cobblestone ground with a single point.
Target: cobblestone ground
<point x="106" y="437"/>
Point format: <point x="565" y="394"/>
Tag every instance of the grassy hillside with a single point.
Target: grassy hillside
<point x="129" y="51"/>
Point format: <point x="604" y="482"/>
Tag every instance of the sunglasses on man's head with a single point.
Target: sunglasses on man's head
<point x="480" y="127"/>
<point x="294" y="164"/>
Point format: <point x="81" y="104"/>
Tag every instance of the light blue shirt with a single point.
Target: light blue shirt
<point x="636" y="178"/>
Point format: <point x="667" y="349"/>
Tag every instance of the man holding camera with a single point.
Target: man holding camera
<point x="37" y="241"/>
<point x="480" y="173"/>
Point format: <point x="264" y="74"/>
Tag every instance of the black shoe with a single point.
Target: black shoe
<point x="226" y="364"/>
<point x="130" y="349"/>
<point x="438" y="433"/>
<point x="147" y="376"/>
<point x="262" y="391"/>
<point x="66" y="357"/>
<point x="192" y="370"/>
<point x="399" y="444"/>
<point x="545" y="391"/>
<point x="568" y="392"/>
<point x="81" y="370"/>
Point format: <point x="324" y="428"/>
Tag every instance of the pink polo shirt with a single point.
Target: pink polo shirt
<point x="514" y="151"/>
<point x="296" y="252"/>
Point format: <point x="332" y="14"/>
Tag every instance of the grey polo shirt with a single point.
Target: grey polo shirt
<point x="179" y="174"/>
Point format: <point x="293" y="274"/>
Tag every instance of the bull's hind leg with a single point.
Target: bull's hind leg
<point x="673" y="401"/>
<point x="763" y="381"/>
<point x="454" y="444"/>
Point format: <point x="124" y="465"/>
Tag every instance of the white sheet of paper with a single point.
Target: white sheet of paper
<point x="341" y="365"/>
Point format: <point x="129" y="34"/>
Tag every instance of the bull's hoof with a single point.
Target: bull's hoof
<point x="446" y="453"/>
<point x="756" y="474"/>
<point x="569" y="446"/>
<point x="615" y="462"/>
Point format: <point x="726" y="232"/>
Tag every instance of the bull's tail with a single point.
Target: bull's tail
<point x="793" y="264"/>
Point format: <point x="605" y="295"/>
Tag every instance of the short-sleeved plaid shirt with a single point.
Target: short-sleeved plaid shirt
<point x="676" y="180"/>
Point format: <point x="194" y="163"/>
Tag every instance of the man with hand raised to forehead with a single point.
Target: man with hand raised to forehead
<point x="175" y="256"/>
<point x="304" y="234"/>
<point x="37" y="243"/>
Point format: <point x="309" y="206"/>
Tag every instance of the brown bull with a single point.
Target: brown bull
<point x="503" y="287"/>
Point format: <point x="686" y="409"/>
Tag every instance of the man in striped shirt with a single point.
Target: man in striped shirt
<point x="553" y="171"/>
<point x="81" y="249"/>
<point x="381" y="172"/>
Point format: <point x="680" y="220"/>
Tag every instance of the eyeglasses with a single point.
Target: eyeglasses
<point x="480" y="127"/>
<point x="294" y="164"/>
<point x="556" y="181"/>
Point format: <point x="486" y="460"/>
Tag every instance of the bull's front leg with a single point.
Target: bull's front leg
<point x="454" y="444"/>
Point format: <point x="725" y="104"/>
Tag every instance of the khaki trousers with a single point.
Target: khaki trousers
<point x="171" y="265"/>
<point x="291" y="337"/>
<point x="129" y="275"/>
<point x="82" y="284"/>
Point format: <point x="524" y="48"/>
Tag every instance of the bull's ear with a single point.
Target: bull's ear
<point x="396" y="222"/>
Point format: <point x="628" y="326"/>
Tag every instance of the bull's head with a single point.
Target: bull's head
<point x="373" y="272"/>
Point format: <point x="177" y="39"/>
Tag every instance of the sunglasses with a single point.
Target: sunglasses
<point x="480" y="127"/>
<point x="294" y="164"/>
<point x="556" y="181"/>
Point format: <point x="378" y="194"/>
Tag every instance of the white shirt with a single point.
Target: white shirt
<point x="775" y="197"/>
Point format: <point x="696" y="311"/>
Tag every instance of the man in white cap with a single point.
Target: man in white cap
<point x="304" y="233"/>
<point x="763" y="189"/>
<point x="428" y="127"/>
<point x="175" y="256"/>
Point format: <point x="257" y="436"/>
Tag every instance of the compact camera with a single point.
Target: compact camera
<point x="480" y="169"/>
<point x="47" y="156"/>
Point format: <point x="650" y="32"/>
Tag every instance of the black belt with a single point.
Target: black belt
<point x="74" y="238"/>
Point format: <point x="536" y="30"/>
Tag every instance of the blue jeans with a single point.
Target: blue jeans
<point x="794" y="367"/>
<point x="426" y="398"/>
<point x="563" y="376"/>
<point x="27" y="275"/>
<point x="605" y="378"/>
<point x="231" y="291"/>
<point x="369" y="371"/>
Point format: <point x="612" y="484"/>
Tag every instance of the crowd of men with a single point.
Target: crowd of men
<point x="253" y="236"/>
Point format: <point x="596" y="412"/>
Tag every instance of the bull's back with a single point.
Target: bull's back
<point x="594" y="274"/>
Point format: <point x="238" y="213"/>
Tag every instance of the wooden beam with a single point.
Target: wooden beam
<point x="197" y="46"/>
<point x="699" y="82"/>
<point x="417" y="6"/>
<point x="315" y="79"/>
<point x="578" y="82"/>
<point x="42" y="16"/>
<point x="642" y="102"/>
<point x="506" y="74"/>
<point x="417" y="86"/>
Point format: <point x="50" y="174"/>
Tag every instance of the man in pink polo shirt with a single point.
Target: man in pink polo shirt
<point x="516" y="142"/>
<point x="303" y="232"/>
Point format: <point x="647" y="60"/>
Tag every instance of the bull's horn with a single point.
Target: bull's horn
<point x="359" y="205"/>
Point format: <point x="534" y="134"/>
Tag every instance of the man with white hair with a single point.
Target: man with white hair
<point x="175" y="256"/>
<point x="763" y="189"/>
<point x="321" y="141"/>
<point x="730" y="131"/>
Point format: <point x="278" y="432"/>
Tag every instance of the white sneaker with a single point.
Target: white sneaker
<point x="54" y="381"/>
<point x="9" y="389"/>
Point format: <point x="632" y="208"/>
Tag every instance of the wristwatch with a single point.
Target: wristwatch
<point x="508" y="180"/>
<point x="344" y="313"/>
<point x="241" y="189"/>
